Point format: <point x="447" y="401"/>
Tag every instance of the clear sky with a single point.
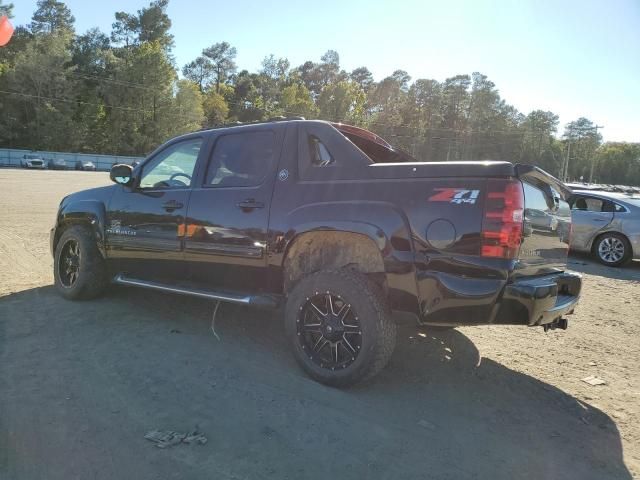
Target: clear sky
<point x="573" y="57"/>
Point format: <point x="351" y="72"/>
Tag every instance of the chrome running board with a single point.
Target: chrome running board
<point x="260" y="300"/>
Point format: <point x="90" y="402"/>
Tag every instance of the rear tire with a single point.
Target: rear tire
<point x="339" y="326"/>
<point x="79" y="270"/>
<point x="612" y="249"/>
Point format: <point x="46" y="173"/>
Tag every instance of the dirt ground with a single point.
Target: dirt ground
<point x="82" y="382"/>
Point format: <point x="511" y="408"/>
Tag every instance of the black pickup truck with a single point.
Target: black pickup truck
<point x="333" y="224"/>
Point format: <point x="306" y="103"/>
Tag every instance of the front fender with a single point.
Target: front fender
<point x="91" y="213"/>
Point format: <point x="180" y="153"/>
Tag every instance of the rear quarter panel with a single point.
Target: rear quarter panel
<point x="429" y="245"/>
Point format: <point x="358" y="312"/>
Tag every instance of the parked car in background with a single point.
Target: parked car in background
<point x="85" y="165"/>
<point x="57" y="164"/>
<point x="33" y="160"/>
<point x="541" y="219"/>
<point x="606" y="224"/>
<point x="603" y="188"/>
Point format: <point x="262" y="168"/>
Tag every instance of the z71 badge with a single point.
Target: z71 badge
<point x="455" y="195"/>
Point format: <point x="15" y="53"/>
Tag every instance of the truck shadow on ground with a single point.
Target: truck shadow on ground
<point x="438" y="410"/>
<point x="585" y="263"/>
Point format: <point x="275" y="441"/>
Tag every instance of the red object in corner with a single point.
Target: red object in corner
<point x="6" y="30"/>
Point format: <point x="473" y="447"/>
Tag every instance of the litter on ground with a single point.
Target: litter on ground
<point x="593" y="380"/>
<point x="169" y="438"/>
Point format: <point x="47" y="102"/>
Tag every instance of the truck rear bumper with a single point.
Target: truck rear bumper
<point x="539" y="301"/>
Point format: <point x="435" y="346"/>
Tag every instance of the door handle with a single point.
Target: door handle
<point x="249" y="204"/>
<point x="172" y="205"/>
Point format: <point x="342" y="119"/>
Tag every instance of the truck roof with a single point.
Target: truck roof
<point x="382" y="154"/>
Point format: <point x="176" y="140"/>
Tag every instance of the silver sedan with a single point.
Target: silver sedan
<point x="606" y="224"/>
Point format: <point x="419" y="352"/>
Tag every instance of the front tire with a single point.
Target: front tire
<point x="339" y="326"/>
<point x="79" y="269"/>
<point x="612" y="249"/>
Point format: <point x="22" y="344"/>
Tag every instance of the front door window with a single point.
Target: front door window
<point x="173" y="167"/>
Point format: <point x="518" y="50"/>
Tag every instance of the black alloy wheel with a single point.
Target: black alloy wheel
<point x="79" y="270"/>
<point x="69" y="263"/>
<point x="340" y="326"/>
<point x="328" y="330"/>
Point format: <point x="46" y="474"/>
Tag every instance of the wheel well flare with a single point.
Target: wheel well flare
<point x="314" y="251"/>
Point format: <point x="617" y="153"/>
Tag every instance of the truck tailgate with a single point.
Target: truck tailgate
<point x="547" y="223"/>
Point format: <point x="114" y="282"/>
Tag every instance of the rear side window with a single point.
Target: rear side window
<point x="324" y="154"/>
<point x="320" y="156"/>
<point x="241" y="159"/>
<point x="619" y="208"/>
<point x="608" y="206"/>
<point x="588" y="204"/>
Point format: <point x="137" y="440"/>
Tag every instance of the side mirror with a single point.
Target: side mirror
<point x="122" y="174"/>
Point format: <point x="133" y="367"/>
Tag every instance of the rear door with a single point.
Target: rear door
<point x="547" y="226"/>
<point x="228" y="216"/>
<point x="589" y="215"/>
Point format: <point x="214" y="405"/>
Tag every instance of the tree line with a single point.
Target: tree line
<point x="121" y="92"/>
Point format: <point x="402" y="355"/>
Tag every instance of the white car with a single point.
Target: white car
<point x="33" y="161"/>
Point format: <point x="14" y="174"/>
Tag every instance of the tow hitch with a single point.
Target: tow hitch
<point x="561" y="323"/>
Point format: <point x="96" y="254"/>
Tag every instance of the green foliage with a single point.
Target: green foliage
<point x="538" y="144"/>
<point x="297" y="101"/>
<point x="52" y="16"/>
<point x="584" y="139"/>
<point x="120" y="93"/>
<point x="363" y="77"/>
<point x="618" y="162"/>
<point x="275" y="68"/>
<point x="316" y="76"/>
<point x="88" y="52"/>
<point x="222" y="57"/>
<point x="246" y="103"/>
<point x="41" y="71"/>
<point x="188" y="108"/>
<point x="125" y="29"/>
<point x="154" y="24"/>
<point x="150" y="24"/>
<point x="215" y="109"/>
<point x="6" y="9"/>
<point x="342" y="102"/>
<point x="143" y="84"/>
<point x="200" y="72"/>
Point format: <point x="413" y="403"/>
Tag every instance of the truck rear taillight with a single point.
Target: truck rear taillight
<point x="503" y="217"/>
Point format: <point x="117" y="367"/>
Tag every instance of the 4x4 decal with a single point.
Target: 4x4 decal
<point x="455" y="195"/>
